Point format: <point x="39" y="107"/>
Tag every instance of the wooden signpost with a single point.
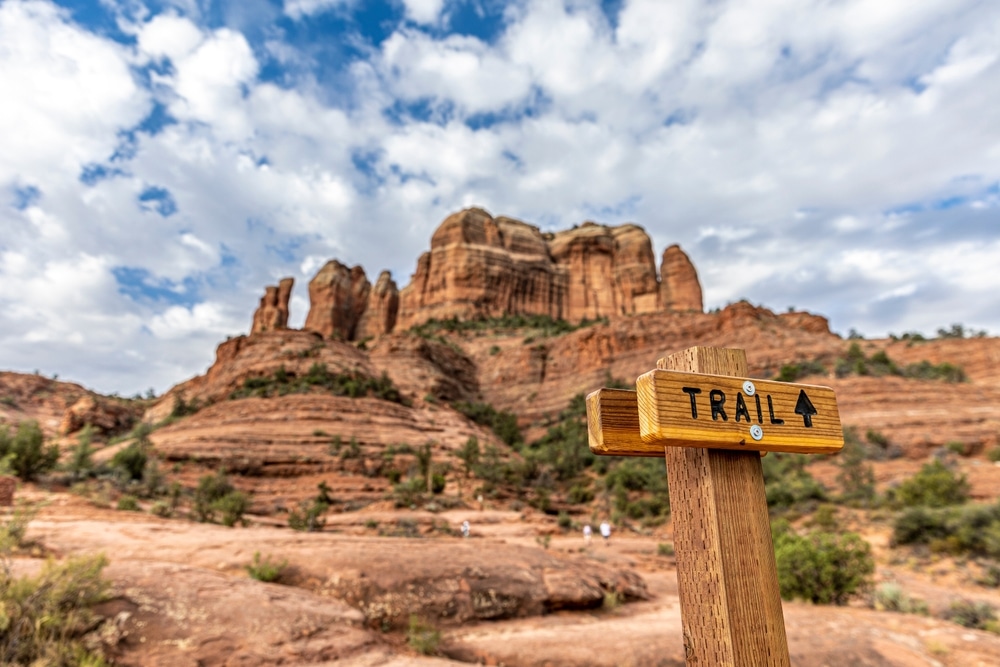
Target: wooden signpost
<point x="698" y="410"/>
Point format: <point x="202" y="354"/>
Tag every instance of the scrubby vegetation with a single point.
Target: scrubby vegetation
<point x="788" y="484"/>
<point x="25" y="453"/>
<point x="217" y="500"/>
<point x="319" y="378"/>
<point x="855" y="362"/>
<point x="262" y="568"/>
<point x="821" y="567"/>
<point x="501" y="422"/>
<point x="44" y="618"/>
<point x="547" y="325"/>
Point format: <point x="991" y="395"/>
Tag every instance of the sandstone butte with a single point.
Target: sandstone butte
<point x="479" y="267"/>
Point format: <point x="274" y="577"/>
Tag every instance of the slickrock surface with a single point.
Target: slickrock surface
<point x="272" y="313"/>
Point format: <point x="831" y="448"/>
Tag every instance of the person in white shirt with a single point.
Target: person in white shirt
<point x="606" y="531"/>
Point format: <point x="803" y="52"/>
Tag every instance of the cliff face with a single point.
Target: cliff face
<point x="479" y="266"/>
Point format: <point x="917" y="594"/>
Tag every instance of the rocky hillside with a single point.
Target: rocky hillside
<point x="395" y="415"/>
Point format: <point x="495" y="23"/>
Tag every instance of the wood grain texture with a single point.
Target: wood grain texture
<point x="675" y="409"/>
<point x="727" y="579"/>
<point x="613" y="425"/>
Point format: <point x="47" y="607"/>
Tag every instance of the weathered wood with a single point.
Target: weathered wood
<point x="613" y="425"/>
<point x="727" y="578"/>
<point x="680" y="409"/>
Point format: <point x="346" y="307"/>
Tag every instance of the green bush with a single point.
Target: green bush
<point x="131" y="460"/>
<point x="793" y="372"/>
<point x="787" y="483"/>
<point x="970" y="614"/>
<point x="665" y="549"/>
<point x="934" y="486"/>
<point x="81" y="456"/>
<point x="994" y="454"/>
<point x="128" y="504"/>
<point x="216" y="499"/>
<point x="823" y="568"/>
<point x="44" y="618"/>
<point x="422" y="637"/>
<point x="266" y="570"/>
<point x="891" y="597"/>
<point x="309" y="516"/>
<point x="856" y="478"/>
<point x="503" y="423"/>
<point x="353" y="384"/>
<point x="967" y="529"/>
<point x="26" y="452"/>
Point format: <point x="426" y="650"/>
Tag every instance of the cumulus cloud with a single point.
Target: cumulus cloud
<point x="840" y="157"/>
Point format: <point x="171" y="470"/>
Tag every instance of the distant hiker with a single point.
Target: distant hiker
<point x="606" y="532"/>
<point x="586" y="533"/>
<point x="465" y="529"/>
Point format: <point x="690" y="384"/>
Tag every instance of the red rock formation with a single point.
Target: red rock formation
<point x="480" y="266"/>
<point x="338" y="296"/>
<point x="679" y="286"/>
<point x="107" y="416"/>
<point x="273" y="310"/>
<point x="379" y="317"/>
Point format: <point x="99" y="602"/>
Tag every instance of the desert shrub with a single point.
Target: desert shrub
<point x="792" y="372"/>
<point x="469" y="454"/>
<point x="787" y="483"/>
<point x="45" y="617"/>
<point x="856" y="478"/>
<point x="664" y="549"/>
<point x="264" y="569"/>
<point x="972" y="529"/>
<point x="81" y="456"/>
<point x="994" y="454"/>
<point x="438" y="483"/>
<point x="422" y="637"/>
<point x="970" y="614"/>
<point x="409" y="493"/>
<point x="183" y="408"/>
<point x="891" y="597"/>
<point x="935" y="485"/>
<point x="309" y="516"/>
<point x="638" y="488"/>
<point x="579" y="494"/>
<point x="216" y="499"/>
<point x="27" y="455"/>
<point x="14" y="529"/>
<point x="130" y="461"/>
<point x="128" y="503"/>
<point x="319" y="377"/>
<point x="564" y="521"/>
<point x="161" y="509"/>
<point x="503" y="423"/>
<point x="823" y="568"/>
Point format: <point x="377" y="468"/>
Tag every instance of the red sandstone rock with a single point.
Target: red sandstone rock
<point x="338" y="296"/>
<point x="679" y="286"/>
<point x="273" y="310"/>
<point x="379" y="317"/>
<point x="104" y="414"/>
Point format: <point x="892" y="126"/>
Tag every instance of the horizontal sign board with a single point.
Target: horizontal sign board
<point x="678" y="409"/>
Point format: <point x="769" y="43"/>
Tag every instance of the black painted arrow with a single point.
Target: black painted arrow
<point x="804" y="407"/>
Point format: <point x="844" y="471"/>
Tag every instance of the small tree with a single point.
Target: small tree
<point x="81" y="456"/>
<point x="28" y="455"/>
<point x="469" y="454"/>
<point x="823" y="568"/>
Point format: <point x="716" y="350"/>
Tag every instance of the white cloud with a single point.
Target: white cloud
<point x="300" y="9"/>
<point x="170" y="36"/>
<point x="423" y="11"/>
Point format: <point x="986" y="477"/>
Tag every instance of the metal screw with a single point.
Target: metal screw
<point x="748" y="388"/>
<point x="756" y="432"/>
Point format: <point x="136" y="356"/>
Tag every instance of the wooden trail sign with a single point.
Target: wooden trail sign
<point x="727" y="579"/>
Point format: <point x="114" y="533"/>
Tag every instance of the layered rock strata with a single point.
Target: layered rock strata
<point x="272" y="313"/>
<point x="479" y="266"/>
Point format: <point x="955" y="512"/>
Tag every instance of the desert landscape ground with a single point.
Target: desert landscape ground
<point x="345" y="458"/>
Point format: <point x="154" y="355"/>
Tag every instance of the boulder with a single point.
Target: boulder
<point x="106" y="415"/>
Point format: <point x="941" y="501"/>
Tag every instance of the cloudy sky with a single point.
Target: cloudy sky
<point x="161" y="161"/>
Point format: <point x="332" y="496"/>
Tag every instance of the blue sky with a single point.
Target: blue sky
<point x="162" y="161"/>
